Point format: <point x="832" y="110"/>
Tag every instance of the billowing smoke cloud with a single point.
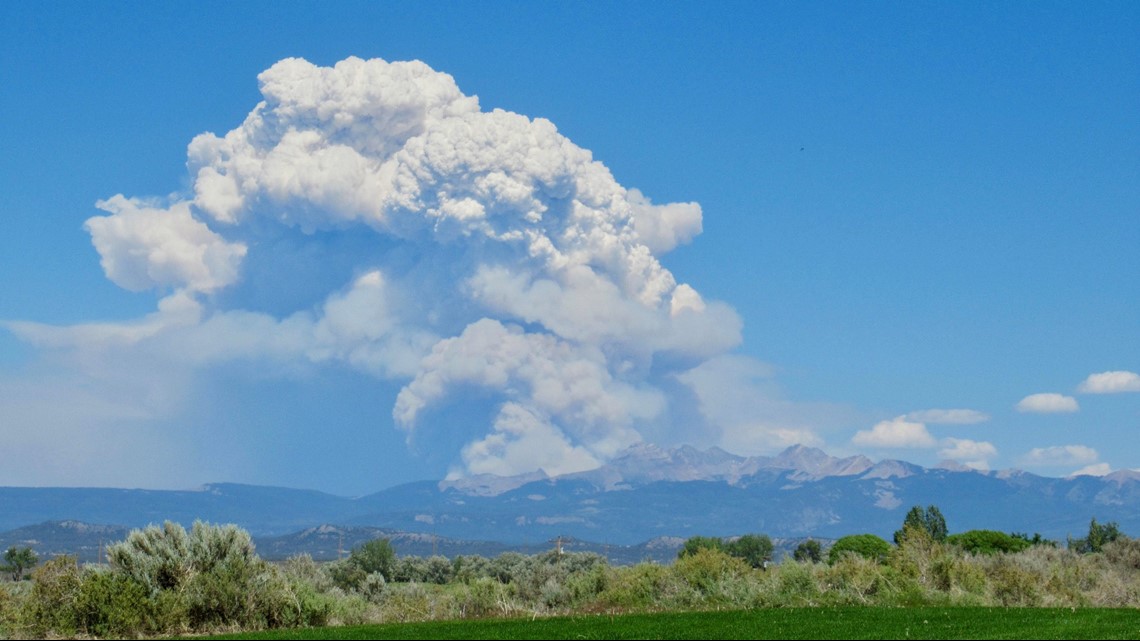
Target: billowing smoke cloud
<point x="371" y="214"/>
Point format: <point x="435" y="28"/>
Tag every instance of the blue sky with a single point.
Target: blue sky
<point x="906" y="207"/>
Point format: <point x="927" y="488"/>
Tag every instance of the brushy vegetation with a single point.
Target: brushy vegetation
<point x="165" y="580"/>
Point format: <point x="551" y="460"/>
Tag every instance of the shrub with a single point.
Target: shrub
<point x="232" y="594"/>
<point x="346" y="576"/>
<point x="437" y="570"/>
<point x="795" y="585"/>
<point x="486" y="596"/>
<point x="111" y="604"/>
<point x="208" y="577"/>
<point x="50" y="606"/>
<point x="852" y="579"/>
<point x="586" y="584"/>
<point x="640" y="585"/>
<point x="7" y="609"/>
<point x="409" y="569"/>
<point x="158" y="558"/>
<point x="865" y="545"/>
<point x="373" y="587"/>
<point x="1064" y="576"/>
<point x="1124" y="553"/>
<point x="1013" y="585"/>
<point x="302" y="569"/>
<point x="406" y="602"/>
<point x="466" y="569"/>
<point x="507" y="565"/>
<point x="353" y="609"/>
<point x="416" y="569"/>
<point x="707" y="567"/>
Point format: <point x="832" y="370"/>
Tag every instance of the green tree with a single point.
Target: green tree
<point x="376" y="555"/>
<point x="809" y="550"/>
<point x="929" y="520"/>
<point x="695" y="544"/>
<point x="754" y="549"/>
<point x="1099" y="535"/>
<point x="19" y="560"/>
<point x="1036" y="539"/>
<point x="988" y="542"/>
<point x="865" y="545"/>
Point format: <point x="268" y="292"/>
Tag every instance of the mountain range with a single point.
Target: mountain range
<point x="642" y="495"/>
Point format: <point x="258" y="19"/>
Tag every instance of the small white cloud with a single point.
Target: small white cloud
<point x="897" y="432"/>
<point x="975" y="454"/>
<point x="1096" y="469"/>
<point x="1110" y="383"/>
<point x="948" y="417"/>
<point x="1059" y="455"/>
<point x="1048" y="403"/>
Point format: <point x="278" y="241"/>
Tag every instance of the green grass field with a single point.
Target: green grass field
<point x="787" y="623"/>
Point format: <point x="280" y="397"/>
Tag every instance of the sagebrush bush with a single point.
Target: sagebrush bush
<point x="640" y="586"/>
<point x="303" y="569"/>
<point x="466" y="569"/>
<point x="1124" y="552"/>
<point x="796" y="585"/>
<point x="407" y="602"/>
<point x="587" y="583"/>
<point x="7" y="608"/>
<point x="50" y="606"/>
<point x="373" y="587"/>
<point x="486" y="596"/>
<point x="707" y="567"/>
<point x="851" y="580"/>
<point x="110" y="604"/>
<point x="1013" y="584"/>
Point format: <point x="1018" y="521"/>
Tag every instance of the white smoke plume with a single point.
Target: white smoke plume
<point x="371" y="214"/>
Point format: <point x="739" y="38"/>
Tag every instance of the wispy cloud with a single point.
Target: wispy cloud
<point x="1059" y="456"/>
<point x="948" y="417"/>
<point x="1048" y="403"/>
<point x="1096" y="469"/>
